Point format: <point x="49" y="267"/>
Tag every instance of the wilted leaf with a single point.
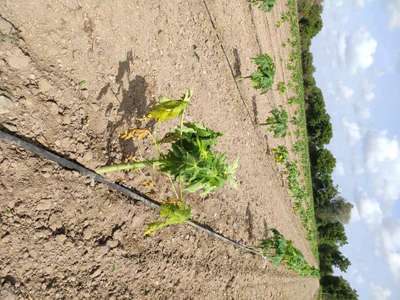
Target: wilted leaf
<point x="169" y="109"/>
<point x="135" y="133"/>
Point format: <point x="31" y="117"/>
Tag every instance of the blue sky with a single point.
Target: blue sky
<point x="357" y="60"/>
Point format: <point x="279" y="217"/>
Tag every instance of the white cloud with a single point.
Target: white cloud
<point x="390" y="242"/>
<point x="369" y="96"/>
<point x="346" y="92"/>
<point x="355" y="215"/>
<point x="358" y="50"/>
<point x="341" y="47"/>
<point x="368" y="91"/>
<point x="362" y="111"/>
<point x="359" y="170"/>
<point x="379" y="148"/>
<point x="369" y="210"/>
<point x="380" y="293"/>
<point x="362" y="104"/>
<point x="393" y="7"/>
<point x="353" y="131"/>
<point x="359" y="279"/>
<point x="387" y="183"/>
<point x="339" y="169"/>
<point x="360" y="3"/>
<point x="357" y="275"/>
<point x="382" y="159"/>
<point x="337" y="3"/>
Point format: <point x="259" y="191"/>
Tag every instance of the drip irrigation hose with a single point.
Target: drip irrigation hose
<point x="68" y="164"/>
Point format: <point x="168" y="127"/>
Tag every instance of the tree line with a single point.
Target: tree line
<point x="331" y="209"/>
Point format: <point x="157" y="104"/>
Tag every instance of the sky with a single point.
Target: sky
<point x="357" y="60"/>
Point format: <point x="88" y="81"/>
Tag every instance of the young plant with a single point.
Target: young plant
<point x="280" y="154"/>
<point x="294" y="184"/>
<point x="281" y="251"/>
<point x="277" y="122"/>
<point x="299" y="146"/>
<point x="264" y="5"/>
<point x="190" y="160"/>
<point x="172" y="214"/>
<point x="282" y="88"/>
<point x="294" y="100"/>
<point x="263" y="78"/>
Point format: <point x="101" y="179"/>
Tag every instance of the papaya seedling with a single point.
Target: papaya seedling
<point x="277" y="122"/>
<point x="281" y="88"/>
<point x="299" y="146"/>
<point x="190" y="160"/>
<point x="279" y="251"/>
<point x="264" y="5"/>
<point x="263" y="78"/>
<point x="83" y="85"/>
<point x="281" y="154"/>
<point x="172" y="214"/>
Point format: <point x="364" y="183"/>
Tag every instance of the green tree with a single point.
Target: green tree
<point x="324" y="190"/>
<point x="337" y="288"/>
<point x="331" y="256"/>
<point x="310" y="20"/>
<point x="318" y="121"/>
<point x="332" y="233"/>
<point x="323" y="163"/>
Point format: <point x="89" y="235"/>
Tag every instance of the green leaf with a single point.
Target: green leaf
<point x="263" y="77"/>
<point x="172" y="214"/>
<point x="278" y="122"/>
<point x="192" y="160"/>
<point x="264" y="5"/>
<point x="83" y="85"/>
<point x="281" y="251"/>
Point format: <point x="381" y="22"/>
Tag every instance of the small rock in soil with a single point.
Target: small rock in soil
<point x="112" y="243"/>
<point x="6" y="104"/>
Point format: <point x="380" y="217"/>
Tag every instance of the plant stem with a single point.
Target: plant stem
<point x="180" y="179"/>
<point x="157" y="146"/>
<point x="125" y="167"/>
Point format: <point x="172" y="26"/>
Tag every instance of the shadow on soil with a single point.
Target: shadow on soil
<point x="133" y="106"/>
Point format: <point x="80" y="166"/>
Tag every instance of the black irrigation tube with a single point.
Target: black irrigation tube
<point x="66" y="163"/>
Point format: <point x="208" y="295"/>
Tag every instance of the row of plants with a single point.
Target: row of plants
<point x="299" y="172"/>
<point x="276" y="248"/>
<point x="277" y="124"/>
<point x="324" y="212"/>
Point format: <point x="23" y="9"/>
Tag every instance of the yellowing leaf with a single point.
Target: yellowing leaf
<point x="148" y="183"/>
<point x="168" y="109"/>
<point x="132" y="133"/>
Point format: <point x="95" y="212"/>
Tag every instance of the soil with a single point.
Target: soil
<point x="73" y="76"/>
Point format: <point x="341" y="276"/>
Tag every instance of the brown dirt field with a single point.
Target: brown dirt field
<point x="62" y="237"/>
